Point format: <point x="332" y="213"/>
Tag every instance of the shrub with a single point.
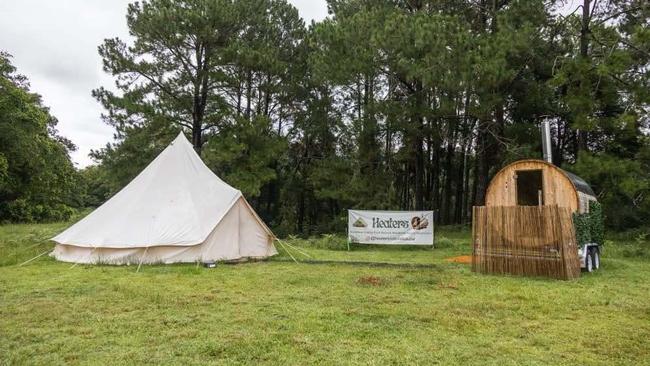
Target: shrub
<point x="325" y="241"/>
<point x="26" y="211"/>
<point x="19" y="211"/>
<point x="597" y="225"/>
<point x="581" y="224"/>
<point x="331" y="241"/>
<point x="60" y="212"/>
<point x="589" y="226"/>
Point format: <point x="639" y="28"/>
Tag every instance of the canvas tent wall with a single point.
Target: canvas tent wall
<point x="176" y="210"/>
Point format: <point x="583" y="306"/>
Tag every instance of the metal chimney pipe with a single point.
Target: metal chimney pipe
<point x="546" y="141"/>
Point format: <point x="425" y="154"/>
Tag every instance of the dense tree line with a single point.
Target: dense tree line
<point x="389" y="104"/>
<point x="37" y="180"/>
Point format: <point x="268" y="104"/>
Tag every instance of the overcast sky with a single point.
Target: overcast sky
<point x="54" y="44"/>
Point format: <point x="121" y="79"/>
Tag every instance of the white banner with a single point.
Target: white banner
<point x="390" y="227"/>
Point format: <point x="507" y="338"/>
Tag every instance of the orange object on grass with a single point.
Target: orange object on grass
<point x="464" y="259"/>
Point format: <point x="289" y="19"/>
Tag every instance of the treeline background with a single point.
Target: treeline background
<point x="385" y="104"/>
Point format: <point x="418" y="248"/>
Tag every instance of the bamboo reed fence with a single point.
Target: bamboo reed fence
<point x="525" y="240"/>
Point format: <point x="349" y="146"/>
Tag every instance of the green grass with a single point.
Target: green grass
<point x="279" y="312"/>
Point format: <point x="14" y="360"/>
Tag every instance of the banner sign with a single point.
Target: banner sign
<point x="390" y="227"/>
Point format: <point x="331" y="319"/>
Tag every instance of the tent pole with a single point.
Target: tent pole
<point x="348" y="231"/>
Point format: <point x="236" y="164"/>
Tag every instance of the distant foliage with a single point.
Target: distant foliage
<point x="221" y="70"/>
<point x="623" y="183"/>
<point x="243" y="153"/>
<point x="386" y="104"/>
<point x="37" y="179"/>
<point x="22" y="210"/>
<point x="325" y="241"/>
<point x="392" y="105"/>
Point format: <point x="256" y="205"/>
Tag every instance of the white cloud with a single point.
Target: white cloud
<point x="54" y="43"/>
<point x="311" y="9"/>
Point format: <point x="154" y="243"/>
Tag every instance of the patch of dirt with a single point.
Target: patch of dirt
<point x="464" y="259"/>
<point x="370" y="280"/>
<point x="449" y="286"/>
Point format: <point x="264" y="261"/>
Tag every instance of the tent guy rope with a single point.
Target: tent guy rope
<point x="294" y="248"/>
<point x="288" y="252"/>
<point x="38" y="256"/>
<point x="142" y="259"/>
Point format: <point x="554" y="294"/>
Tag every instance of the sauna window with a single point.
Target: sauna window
<point x="530" y="189"/>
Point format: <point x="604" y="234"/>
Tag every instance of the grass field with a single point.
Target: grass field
<point x="279" y="312"/>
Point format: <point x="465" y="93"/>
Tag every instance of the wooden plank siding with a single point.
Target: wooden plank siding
<point x="558" y="188"/>
<point x="525" y="240"/>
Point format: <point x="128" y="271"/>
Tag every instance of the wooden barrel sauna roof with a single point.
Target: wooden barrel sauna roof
<point x="580" y="184"/>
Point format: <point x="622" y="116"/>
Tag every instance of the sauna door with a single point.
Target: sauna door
<point x="530" y="188"/>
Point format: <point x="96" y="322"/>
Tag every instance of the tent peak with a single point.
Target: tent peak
<point x="181" y="137"/>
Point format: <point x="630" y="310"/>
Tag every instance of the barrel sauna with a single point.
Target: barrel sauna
<point x="526" y="226"/>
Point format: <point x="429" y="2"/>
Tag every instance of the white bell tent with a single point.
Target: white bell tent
<point x="175" y="211"/>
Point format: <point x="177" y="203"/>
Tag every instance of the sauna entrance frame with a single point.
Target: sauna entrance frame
<point x="530" y="187"/>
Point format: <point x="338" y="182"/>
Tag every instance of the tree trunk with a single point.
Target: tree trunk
<point x="581" y="135"/>
<point x="301" y="211"/>
<point x="417" y="142"/>
<point x="447" y="192"/>
<point x="197" y="138"/>
<point x="584" y="29"/>
<point x="249" y="94"/>
<point x="483" y="161"/>
<point x="201" y="83"/>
